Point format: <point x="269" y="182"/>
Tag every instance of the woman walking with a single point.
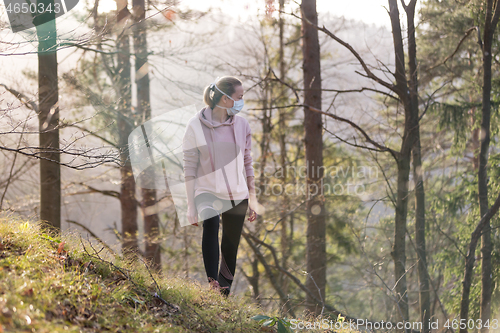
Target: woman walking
<point x="219" y="177"/>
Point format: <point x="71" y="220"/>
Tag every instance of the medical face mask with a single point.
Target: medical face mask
<point x="237" y="106"/>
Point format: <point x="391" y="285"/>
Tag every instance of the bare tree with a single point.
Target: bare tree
<point x="286" y="239"/>
<point x="313" y="140"/>
<point x="406" y="90"/>
<point x="492" y="15"/>
<point x="149" y="200"/>
<point x="48" y="116"/>
<point x="125" y="123"/>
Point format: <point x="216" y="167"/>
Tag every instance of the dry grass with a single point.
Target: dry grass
<point x="52" y="283"/>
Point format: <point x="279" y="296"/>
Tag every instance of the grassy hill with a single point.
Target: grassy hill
<point x="50" y="284"/>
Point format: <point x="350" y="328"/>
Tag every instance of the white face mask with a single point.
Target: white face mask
<point x="237" y="106"/>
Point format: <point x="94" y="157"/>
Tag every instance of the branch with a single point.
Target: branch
<point x="79" y="46"/>
<point x="297" y="281"/>
<point x="101" y="159"/>
<point x="430" y="98"/>
<point x="382" y="148"/>
<point x="269" y="272"/>
<point x="430" y="279"/>
<point x="109" y="193"/>
<point x="282" y="218"/>
<point x="391" y="196"/>
<point x="479" y="40"/>
<point x="11" y="172"/>
<point x="361" y="90"/>
<point x="369" y="73"/>
<point x="157" y="294"/>
<point x="285" y="84"/>
<point x="91" y="133"/>
<point x="349" y="143"/>
<point x="467" y="33"/>
<point x="93" y="235"/>
<point x="496" y="16"/>
<point x="22" y="98"/>
<point x="127" y="276"/>
<point x="469" y="261"/>
<point x="95" y="100"/>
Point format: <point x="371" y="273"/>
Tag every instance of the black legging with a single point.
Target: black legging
<point x="232" y="225"/>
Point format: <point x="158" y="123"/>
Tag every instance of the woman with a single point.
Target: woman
<point x="219" y="177"/>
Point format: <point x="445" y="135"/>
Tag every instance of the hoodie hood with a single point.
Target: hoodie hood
<point x="205" y="116"/>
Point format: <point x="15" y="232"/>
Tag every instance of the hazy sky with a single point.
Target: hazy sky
<point x="369" y="11"/>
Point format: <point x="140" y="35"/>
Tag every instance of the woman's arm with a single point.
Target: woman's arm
<point x="252" y="197"/>
<point x="192" y="215"/>
<point x="248" y="162"/>
<point x="191" y="156"/>
<point x="190" y="190"/>
<point x="251" y="186"/>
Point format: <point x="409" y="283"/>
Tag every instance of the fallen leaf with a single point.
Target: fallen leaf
<point x="61" y="247"/>
<point x="28" y="292"/>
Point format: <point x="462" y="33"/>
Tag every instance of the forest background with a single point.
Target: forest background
<point x="401" y="112"/>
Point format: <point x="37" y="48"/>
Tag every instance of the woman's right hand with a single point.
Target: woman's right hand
<point x="192" y="215"/>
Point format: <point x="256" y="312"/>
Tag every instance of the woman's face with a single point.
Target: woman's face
<point x="238" y="94"/>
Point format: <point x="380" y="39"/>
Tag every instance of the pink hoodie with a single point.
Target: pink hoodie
<point x="213" y="155"/>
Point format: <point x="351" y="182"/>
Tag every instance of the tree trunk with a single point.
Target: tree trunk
<point x="254" y="281"/>
<point x="48" y="120"/>
<point x="418" y="178"/>
<point x="486" y="270"/>
<point x="486" y="246"/>
<point x="491" y="20"/>
<point x="398" y="252"/>
<point x="128" y="201"/>
<point x="471" y="258"/>
<point x="420" y="225"/>
<point x="316" y="229"/>
<point x="149" y="200"/>
<point x="285" y="246"/>
<point x="265" y="121"/>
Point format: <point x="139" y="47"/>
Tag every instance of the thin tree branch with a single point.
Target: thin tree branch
<point x="467" y="33"/>
<point x="93" y="235"/>
<point x="369" y="73"/>
<point x="349" y="143"/>
<point x="101" y="159"/>
<point x="382" y="148"/>
<point x="93" y="133"/>
<point x="22" y="98"/>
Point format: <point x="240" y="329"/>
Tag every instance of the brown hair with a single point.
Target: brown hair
<point x="212" y="96"/>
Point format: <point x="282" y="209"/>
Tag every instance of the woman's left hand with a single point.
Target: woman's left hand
<point x="252" y="215"/>
<point x="255" y="208"/>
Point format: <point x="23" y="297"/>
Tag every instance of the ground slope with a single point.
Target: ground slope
<point x="51" y="284"/>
